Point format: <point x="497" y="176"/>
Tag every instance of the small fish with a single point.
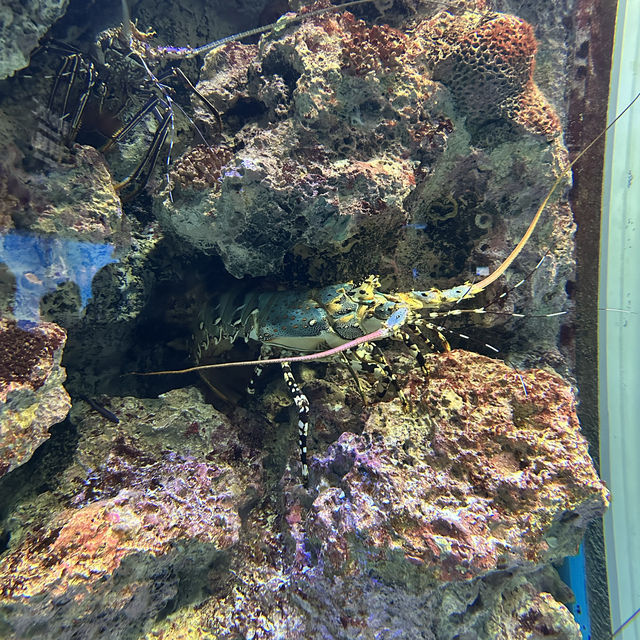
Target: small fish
<point x="101" y="410"/>
<point x="420" y="226"/>
<point x="32" y="278"/>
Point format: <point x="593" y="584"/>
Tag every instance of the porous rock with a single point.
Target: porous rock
<point x="489" y="472"/>
<point x="32" y="397"/>
<point x="142" y="522"/>
<point x="72" y="199"/>
<point x="489" y="63"/>
<point x="22" y="24"/>
<point x="325" y="149"/>
<point x="434" y="524"/>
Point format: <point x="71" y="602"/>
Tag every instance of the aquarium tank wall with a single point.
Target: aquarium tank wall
<point x="618" y="331"/>
<point x="317" y="320"/>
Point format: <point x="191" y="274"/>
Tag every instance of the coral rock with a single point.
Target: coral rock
<point x="73" y="200"/>
<point x="483" y="476"/>
<point x="22" y="26"/>
<point x="322" y="118"/>
<point x="489" y="65"/>
<point x="436" y="523"/>
<point x="201" y="167"/>
<point x="32" y="397"/>
<point x="149" y="525"/>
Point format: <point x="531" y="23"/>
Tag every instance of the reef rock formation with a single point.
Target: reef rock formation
<point x="32" y="397"/>
<point x="342" y="138"/>
<point x="75" y="199"/>
<point x="145" y="530"/>
<point x="22" y="24"/>
<point x="488" y="472"/>
<point x="430" y="524"/>
<point x="324" y="118"/>
<point x="488" y="62"/>
<point x="346" y="149"/>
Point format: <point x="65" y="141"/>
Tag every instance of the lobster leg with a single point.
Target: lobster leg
<point x="371" y="355"/>
<point x="302" y="402"/>
<point x="68" y="70"/>
<point x="90" y="81"/>
<point x="251" y="387"/>
<point x="148" y="108"/>
<point x="354" y="375"/>
<point x="140" y="176"/>
<point x="411" y="342"/>
<point x="419" y="333"/>
<point x="74" y="82"/>
<point x="389" y="377"/>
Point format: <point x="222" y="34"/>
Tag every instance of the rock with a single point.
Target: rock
<point x="489" y="64"/>
<point x="481" y="476"/>
<point x="32" y="397"/>
<point x="436" y="523"/>
<point x="327" y="147"/>
<point x="75" y="200"/>
<point x="24" y="22"/>
<point x="439" y="522"/>
<point x="152" y="515"/>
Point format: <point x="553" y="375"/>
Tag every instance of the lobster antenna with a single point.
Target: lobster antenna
<point x="483" y="284"/>
<point x="126" y="22"/>
<point x="205" y="48"/>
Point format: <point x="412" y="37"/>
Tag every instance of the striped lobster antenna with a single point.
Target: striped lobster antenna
<point x="186" y="52"/>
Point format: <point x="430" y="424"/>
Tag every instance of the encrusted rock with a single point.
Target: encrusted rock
<point x="327" y="140"/>
<point x="347" y="149"/>
<point x="32" y="397"/>
<point x="75" y="199"/>
<point x="490" y="472"/>
<point x="488" y="63"/>
<point x="436" y="524"/>
<point x="430" y="524"/>
<point x="152" y="507"/>
<point x="22" y="24"/>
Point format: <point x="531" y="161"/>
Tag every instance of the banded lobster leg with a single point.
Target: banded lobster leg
<point x="161" y="108"/>
<point x="302" y="403"/>
<point x="74" y="82"/>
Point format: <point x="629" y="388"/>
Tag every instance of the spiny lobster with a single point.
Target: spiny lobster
<point x="338" y="318"/>
<point x="80" y="92"/>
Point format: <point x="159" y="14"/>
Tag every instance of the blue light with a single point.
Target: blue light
<point x="40" y="263"/>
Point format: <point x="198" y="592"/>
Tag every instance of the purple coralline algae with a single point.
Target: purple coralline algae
<point x="416" y="519"/>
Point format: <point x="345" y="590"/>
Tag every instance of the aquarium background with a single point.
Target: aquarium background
<point x="337" y="174"/>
